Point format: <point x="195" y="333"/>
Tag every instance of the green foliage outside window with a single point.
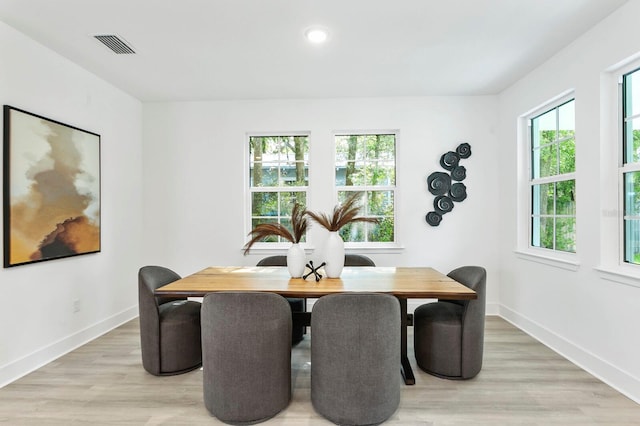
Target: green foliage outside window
<point x="368" y="162"/>
<point x="552" y="192"/>
<point x="279" y="175"/>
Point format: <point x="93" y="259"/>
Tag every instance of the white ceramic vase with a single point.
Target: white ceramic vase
<point x="334" y="255"/>
<point x="296" y="260"/>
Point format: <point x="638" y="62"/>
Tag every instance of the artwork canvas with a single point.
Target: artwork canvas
<point x="51" y="189"/>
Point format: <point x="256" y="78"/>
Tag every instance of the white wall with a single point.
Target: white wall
<point x="581" y="313"/>
<point x="37" y="322"/>
<point x="194" y="170"/>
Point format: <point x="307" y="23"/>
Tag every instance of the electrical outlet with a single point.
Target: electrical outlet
<point x="76" y="306"/>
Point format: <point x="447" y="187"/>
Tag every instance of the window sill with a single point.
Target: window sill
<point x="557" y="262"/>
<point x="373" y="249"/>
<point x="622" y="274"/>
<point x="279" y="248"/>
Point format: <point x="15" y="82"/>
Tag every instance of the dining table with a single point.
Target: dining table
<point x="402" y="282"/>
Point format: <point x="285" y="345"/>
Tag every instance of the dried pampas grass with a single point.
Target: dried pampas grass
<point x="342" y="215"/>
<point x="299" y="223"/>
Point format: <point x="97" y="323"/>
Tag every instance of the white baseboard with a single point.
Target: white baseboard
<point x="25" y="365"/>
<point x="618" y="379"/>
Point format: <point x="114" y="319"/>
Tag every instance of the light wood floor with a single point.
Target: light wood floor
<point x="522" y="383"/>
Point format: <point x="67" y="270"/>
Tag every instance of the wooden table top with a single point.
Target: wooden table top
<point x="424" y="283"/>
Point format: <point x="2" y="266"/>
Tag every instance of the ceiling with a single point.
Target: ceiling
<point x="255" y="49"/>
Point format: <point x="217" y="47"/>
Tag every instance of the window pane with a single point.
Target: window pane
<point x="632" y="241"/>
<point x="256" y="222"/>
<point x="566" y="234"/>
<point x="542" y="199"/>
<point x="273" y="146"/>
<point x="379" y="203"/>
<point x="286" y="222"/>
<point x="567" y="152"/>
<point x="565" y="198"/>
<point x="566" y="120"/>
<point x="288" y="199"/>
<point x="382" y="232"/>
<point x="353" y="232"/>
<point x="343" y="195"/>
<point x="632" y="194"/>
<point x="294" y="148"/>
<point x="632" y="94"/>
<point x="544" y="129"/>
<point x="543" y="232"/>
<point x="380" y="173"/>
<point x="349" y="148"/>
<point x="255" y="148"/>
<point x="264" y="204"/>
<point x="351" y="173"/>
<point x="548" y="160"/>
<point x="632" y="140"/>
<point x="341" y="174"/>
<point x="380" y="147"/>
<point x="264" y="174"/>
<point x="294" y="174"/>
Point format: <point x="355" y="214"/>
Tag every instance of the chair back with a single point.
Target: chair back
<point x="355" y="357"/>
<point x="246" y="355"/>
<point x="152" y="277"/>
<point x="473" y="317"/>
<point x="349" y="260"/>
<point x="149" y="279"/>
<point x="357" y="260"/>
<point x="273" y="261"/>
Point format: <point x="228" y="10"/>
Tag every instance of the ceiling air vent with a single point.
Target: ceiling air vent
<point x="115" y="43"/>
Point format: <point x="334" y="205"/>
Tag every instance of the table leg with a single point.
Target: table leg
<point x="407" y="371"/>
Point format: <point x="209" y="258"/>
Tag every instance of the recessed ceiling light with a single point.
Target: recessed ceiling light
<point x="316" y="35"/>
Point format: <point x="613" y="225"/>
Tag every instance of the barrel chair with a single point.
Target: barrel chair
<point x="169" y="327"/>
<point x="355" y="357"/>
<point x="449" y="334"/>
<point x="246" y="355"/>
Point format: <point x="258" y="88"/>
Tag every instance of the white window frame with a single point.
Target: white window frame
<point x="371" y="246"/>
<point x="260" y="246"/>
<point x="623" y="167"/>
<point x="612" y="266"/>
<point x="524" y="247"/>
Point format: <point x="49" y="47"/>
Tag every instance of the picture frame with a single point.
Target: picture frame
<point x="51" y="189"/>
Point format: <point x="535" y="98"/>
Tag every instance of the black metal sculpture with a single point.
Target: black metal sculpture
<point x="314" y="271"/>
<point x="440" y="183"/>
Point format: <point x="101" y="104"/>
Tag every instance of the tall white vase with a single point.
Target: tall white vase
<point x="334" y="255"/>
<point x="296" y="260"/>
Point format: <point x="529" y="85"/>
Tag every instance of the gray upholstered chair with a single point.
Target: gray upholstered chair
<point x="357" y="260"/>
<point x="169" y="327"/>
<point x="355" y="357"/>
<point x="449" y="334"/>
<point x="297" y="304"/>
<point x="246" y="355"/>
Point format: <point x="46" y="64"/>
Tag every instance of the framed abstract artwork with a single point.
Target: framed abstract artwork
<point x="51" y="189"/>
